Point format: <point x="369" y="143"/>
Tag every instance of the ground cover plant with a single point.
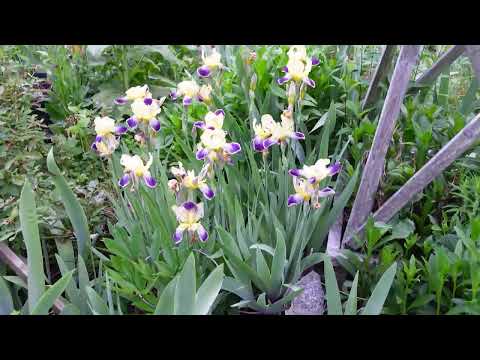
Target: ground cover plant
<point x="213" y="179"/>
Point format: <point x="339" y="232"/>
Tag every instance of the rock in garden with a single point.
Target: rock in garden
<point x="312" y="299"/>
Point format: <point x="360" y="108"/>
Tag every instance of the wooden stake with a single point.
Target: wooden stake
<point x="21" y="269"/>
<point x="381" y="73"/>
<point x="444" y="158"/>
<point x="372" y="172"/>
<point x="430" y="75"/>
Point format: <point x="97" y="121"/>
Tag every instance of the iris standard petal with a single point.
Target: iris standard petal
<point x="294" y="199"/>
<point x="120" y="129"/>
<point x="203" y="71"/>
<point x="120" y="101"/>
<point x="201" y="154"/>
<point x="232" y="148"/>
<point x="202" y="233"/>
<point x="295" y="172"/>
<point x="257" y="144"/>
<point x="132" y="122"/>
<point x="334" y="169"/>
<point x="124" y="180"/>
<point x="283" y="79"/>
<point x="309" y="82"/>
<point x="155" y="125"/>
<point x="207" y="192"/>
<point x="297" y="135"/>
<point x="199" y="124"/>
<point x="149" y="181"/>
<point x="269" y="142"/>
<point x="178" y="235"/>
<point x="327" y="191"/>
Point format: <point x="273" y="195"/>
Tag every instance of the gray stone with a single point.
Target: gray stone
<point x="312" y="299"/>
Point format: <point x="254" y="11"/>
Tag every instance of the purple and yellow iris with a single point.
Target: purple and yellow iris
<point x="270" y="132"/>
<point x="212" y="120"/>
<point x="306" y="182"/>
<point x="187" y="180"/>
<point x="298" y="67"/>
<point x="106" y="141"/>
<point x="188" y="90"/>
<point x="211" y="62"/>
<point x="145" y="111"/>
<point x="188" y="216"/>
<point x="134" y="170"/>
<point x="213" y="147"/>
<point x="134" y="93"/>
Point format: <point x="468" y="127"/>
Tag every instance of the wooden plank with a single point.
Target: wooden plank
<point x="381" y="73"/>
<point x="21" y="269"/>
<point x="373" y="169"/>
<point x="430" y="75"/>
<point x="467" y="137"/>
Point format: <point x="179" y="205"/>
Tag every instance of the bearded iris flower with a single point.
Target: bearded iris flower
<point x="306" y="182"/>
<point x="305" y="192"/>
<point x="134" y="169"/>
<point x="210" y="63"/>
<point x="271" y="132"/>
<point x="188" y="216"/>
<point x="146" y="110"/>
<point x="317" y="172"/>
<point x="213" y="120"/>
<point x="188" y="180"/>
<point x="298" y="67"/>
<point x="186" y="89"/>
<point x="134" y="93"/>
<point x="105" y="141"/>
<point x="214" y="147"/>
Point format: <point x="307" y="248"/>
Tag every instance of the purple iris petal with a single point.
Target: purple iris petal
<point x="283" y="80"/>
<point x="148" y="101"/>
<point x="150" y="181"/>
<point x="132" y="122"/>
<point x="203" y="71"/>
<point x="124" y="180"/>
<point x="269" y="142"/>
<point x="94" y="146"/>
<point x="309" y="82"/>
<point x="315" y="61"/>
<point x="199" y="124"/>
<point x="98" y="138"/>
<point x="207" y="192"/>
<point x="285" y="69"/>
<point x="187" y="101"/>
<point x="202" y="233"/>
<point x="189" y="205"/>
<point x="328" y="191"/>
<point x="334" y="169"/>
<point x="201" y="154"/>
<point x="120" y="129"/>
<point x="298" y="135"/>
<point x="173" y="95"/>
<point x="177" y="235"/>
<point x="294" y="199"/>
<point x="312" y="180"/>
<point x="155" y="125"/>
<point x="120" y="101"/>
<point x="232" y="148"/>
<point x="295" y="172"/>
<point x="257" y="144"/>
<point x="220" y="111"/>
